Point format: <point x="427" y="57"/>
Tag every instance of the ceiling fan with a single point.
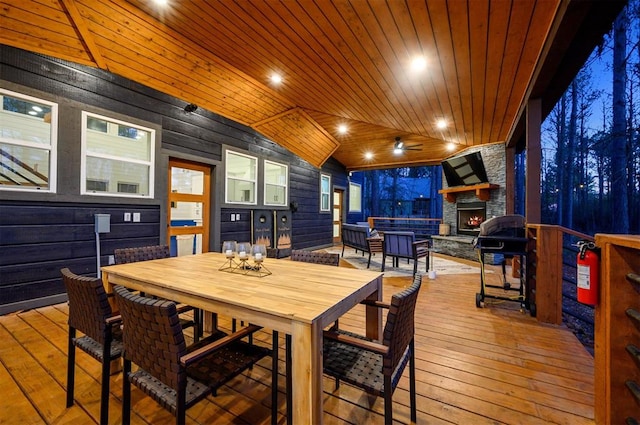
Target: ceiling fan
<point x="399" y="146"/>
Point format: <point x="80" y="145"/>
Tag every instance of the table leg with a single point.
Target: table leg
<point x="373" y="315"/>
<point x="307" y="373"/>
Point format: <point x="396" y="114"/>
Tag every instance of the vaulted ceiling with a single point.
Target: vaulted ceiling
<point x="343" y="62"/>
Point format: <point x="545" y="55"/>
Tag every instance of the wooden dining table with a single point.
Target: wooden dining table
<point x="299" y="299"/>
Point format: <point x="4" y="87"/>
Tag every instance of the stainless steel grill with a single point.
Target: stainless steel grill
<point x="504" y="235"/>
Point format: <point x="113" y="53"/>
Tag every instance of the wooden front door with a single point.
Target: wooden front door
<point x="189" y="207"/>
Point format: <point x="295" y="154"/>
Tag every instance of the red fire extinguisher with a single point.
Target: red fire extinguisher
<point x="588" y="273"/>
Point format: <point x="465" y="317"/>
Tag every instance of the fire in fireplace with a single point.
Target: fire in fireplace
<point x="470" y="216"/>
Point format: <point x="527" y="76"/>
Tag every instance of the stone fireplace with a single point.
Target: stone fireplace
<point x="465" y="208"/>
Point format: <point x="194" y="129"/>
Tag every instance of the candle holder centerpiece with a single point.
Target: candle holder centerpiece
<point x="244" y="258"/>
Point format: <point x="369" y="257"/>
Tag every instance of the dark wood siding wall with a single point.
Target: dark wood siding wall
<point x="38" y="239"/>
<point x="30" y="259"/>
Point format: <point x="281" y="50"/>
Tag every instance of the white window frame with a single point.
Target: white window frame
<point x="285" y="201"/>
<point x="254" y="181"/>
<point x="83" y="161"/>
<point x="329" y="205"/>
<point x="355" y="199"/>
<point x="52" y="147"/>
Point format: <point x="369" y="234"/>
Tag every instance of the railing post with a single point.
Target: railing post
<point x="546" y="272"/>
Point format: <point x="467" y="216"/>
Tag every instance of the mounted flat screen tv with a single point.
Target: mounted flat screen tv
<point x="465" y="170"/>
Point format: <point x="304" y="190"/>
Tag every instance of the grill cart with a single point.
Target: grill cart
<point x="504" y="236"/>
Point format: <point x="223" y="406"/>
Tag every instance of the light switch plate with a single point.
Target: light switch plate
<point x="127" y="216"/>
<point x="136" y="217"/>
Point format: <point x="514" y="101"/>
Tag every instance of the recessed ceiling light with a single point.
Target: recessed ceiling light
<point x="451" y="146"/>
<point x="161" y="2"/>
<point x="368" y="155"/>
<point x="276" y="78"/>
<point x="441" y="124"/>
<point x="342" y="129"/>
<point x="419" y="63"/>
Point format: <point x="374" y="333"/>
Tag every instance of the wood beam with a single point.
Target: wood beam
<point x="83" y="32"/>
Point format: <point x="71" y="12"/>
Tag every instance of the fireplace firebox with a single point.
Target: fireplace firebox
<point x="470" y="216"/>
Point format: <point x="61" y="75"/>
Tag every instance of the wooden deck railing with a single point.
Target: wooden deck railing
<point x="422" y="227"/>
<point x="617" y="360"/>
<point x="617" y="314"/>
<point x="551" y="272"/>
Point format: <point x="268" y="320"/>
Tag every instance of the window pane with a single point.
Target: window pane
<point x="325" y="202"/>
<point x="187" y="181"/>
<point x="325" y="184"/>
<point x="355" y="197"/>
<point x="275" y="195"/>
<point x="240" y="191"/>
<point x="139" y="148"/>
<point x="186" y="213"/>
<point x="24" y="167"/>
<point x="118" y="173"/>
<point x="97" y="185"/>
<point x="275" y="173"/>
<point x="25" y="120"/>
<point x="241" y="167"/>
<point x="96" y="124"/>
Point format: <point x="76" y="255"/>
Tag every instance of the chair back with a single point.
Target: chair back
<point x="152" y="336"/>
<point x="399" y="244"/>
<point x="141" y="253"/>
<point x="399" y="329"/>
<point x="315" y="257"/>
<point x="88" y="304"/>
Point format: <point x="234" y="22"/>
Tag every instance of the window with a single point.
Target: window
<point x="325" y="192"/>
<point x="117" y="158"/>
<point x="355" y="197"/>
<point x="97" y="185"/>
<point x="28" y="139"/>
<point x="128" y="187"/>
<point x="275" y="183"/>
<point x="240" y="180"/>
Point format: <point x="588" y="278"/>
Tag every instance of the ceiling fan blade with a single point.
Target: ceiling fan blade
<point x="413" y="148"/>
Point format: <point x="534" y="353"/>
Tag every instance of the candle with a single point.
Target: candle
<point x="258" y="256"/>
<point x="228" y="252"/>
<point x="242" y="255"/>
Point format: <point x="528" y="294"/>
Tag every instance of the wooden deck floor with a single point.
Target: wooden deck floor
<point x="474" y="366"/>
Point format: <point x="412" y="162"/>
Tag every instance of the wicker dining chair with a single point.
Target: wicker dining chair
<point x="377" y="367"/>
<point x="174" y="375"/>
<point x="156" y="252"/>
<point x="90" y="313"/>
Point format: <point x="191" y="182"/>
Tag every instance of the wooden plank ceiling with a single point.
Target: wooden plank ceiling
<point x="342" y="63"/>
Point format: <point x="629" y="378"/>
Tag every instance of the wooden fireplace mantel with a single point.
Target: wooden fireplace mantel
<point x="482" y="190"/>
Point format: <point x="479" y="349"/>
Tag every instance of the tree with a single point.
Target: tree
<point x="618" y="148"/>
